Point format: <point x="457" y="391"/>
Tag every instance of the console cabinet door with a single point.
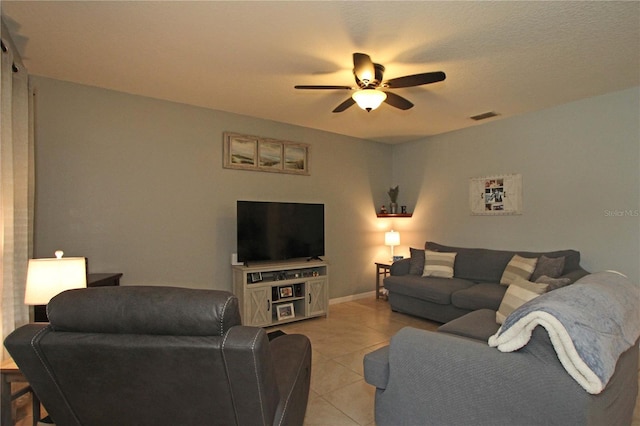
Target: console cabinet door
<point x="317" y="297"/>
<point x="258" y="307"/>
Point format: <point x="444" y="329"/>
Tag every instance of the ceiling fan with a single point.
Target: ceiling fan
<point x="369" y="95"/>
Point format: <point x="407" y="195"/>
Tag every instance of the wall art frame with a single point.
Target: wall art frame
<point x="496" y="195"/>
<point x="246" y="152"/>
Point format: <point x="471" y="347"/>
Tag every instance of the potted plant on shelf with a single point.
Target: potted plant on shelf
<point x="393" y="195"/>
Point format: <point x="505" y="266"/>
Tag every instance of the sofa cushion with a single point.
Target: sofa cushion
<point x="438" y="264"/>
<point x="550" y="266"/>
<point x="518" y="293"/>
<point x="479" y="296"/>
<point x="518" y="268"/>
<point x="476" y="264"/>
<point x="554" y="283"/>
<point x="432" y="289"/>
<point x="416" y="266"/>
<point x="480" y="325"/>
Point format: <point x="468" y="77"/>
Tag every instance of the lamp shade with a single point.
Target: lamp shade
<point x="49" y="277"/>
<point x="369" y="99"/>
<point x="392" y="238"/>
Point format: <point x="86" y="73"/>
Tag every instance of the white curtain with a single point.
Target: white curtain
<point x="17" y="190"/>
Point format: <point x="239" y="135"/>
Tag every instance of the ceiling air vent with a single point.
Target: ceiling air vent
<point x="484" y="116"/>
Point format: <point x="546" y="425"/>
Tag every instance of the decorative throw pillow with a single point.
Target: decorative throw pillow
<point x="554" y="283"/>
<point x="438" y="264"/>
<point x="518" y="293"/>
<point x="552" y="267"/>
<point x="416" y="264"/>
<point x="518" y="267"/>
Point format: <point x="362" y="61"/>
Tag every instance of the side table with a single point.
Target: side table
<point x="10" y="373"/>
<point x="93" y="280"/>
<point x="383" y="269"/>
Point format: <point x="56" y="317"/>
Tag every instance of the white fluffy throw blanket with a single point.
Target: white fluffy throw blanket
<point x="590" y="323"/>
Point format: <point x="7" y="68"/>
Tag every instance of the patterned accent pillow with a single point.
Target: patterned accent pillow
<point x="554" y="283"/>
<point x="518" y="267"/>
<point x="416" y="265"/>
<point x="518" y="293"/>
<point x="438" y="264"/>
<point x="552" y="267"/>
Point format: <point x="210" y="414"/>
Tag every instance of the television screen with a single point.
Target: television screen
<point x="279" y="231"/>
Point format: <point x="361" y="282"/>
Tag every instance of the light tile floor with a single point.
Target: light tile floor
<point x="339" y="395"/>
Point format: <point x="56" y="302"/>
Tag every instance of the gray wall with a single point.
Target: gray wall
<point x="137" y="186"/>
<point x="581" y="182"/>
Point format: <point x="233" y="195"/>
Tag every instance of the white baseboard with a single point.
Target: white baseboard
<point x="352" y="297"/>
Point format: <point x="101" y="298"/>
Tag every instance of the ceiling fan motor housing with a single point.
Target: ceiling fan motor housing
<point x="379" y="73"/>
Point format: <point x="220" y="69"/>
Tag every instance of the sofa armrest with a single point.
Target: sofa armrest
<point x="437" y="378"/>
<point x="401" y="267"/>
<point x="376" y="367"/>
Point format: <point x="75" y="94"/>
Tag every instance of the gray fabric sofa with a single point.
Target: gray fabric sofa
<point x="475" y="283"/>
<point x="453" y="377"/>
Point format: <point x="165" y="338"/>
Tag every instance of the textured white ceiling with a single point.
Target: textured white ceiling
<point x="245" y="57"/>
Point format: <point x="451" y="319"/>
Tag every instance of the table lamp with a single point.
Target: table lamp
<point x="49" y="277"/>
<point x="391" y="239"/>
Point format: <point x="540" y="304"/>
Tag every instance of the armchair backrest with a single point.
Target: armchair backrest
<point x="148" y="355"/>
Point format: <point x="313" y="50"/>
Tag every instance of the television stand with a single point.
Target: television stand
<point x="278" y="293"/>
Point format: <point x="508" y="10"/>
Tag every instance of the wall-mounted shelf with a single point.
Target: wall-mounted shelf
<point x="395" y="214"/>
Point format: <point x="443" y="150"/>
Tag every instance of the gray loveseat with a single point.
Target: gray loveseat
<point x="454" y="377"/>
<point x="475" y="283"/>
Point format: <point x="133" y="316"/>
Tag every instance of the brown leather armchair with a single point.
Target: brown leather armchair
<point x="160" y="356"/>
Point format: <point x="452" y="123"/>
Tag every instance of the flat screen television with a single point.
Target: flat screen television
<point x="275" y="231"/>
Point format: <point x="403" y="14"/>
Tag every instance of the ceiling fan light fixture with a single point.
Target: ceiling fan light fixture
<point x="369" y="99"/>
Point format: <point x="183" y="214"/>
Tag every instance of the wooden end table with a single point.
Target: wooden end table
<point x="383" y="269"/>
<point x="10" y="373"/>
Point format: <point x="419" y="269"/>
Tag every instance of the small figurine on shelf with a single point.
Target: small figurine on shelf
<point x="393" y="195"/>
<point x="383" y="210"/>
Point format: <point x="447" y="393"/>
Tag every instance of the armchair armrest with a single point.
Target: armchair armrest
<point x="437" y="378"/>
<point x="292" y="356"/>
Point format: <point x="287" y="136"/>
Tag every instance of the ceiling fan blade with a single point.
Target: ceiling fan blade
<point x="324" y="87"/>
<point x="398" y="101"/>
<point x="346" y="104"/>
<point x="415" y="80"/>
<point x="363" y="68"/>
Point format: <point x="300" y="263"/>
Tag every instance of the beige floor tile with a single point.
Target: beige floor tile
<point x="354" y="360"/>
<point x="317" y="358"/>
<point x="340" y="345"/>
<point x="322" y="413"/>
<point x="330" y="376"/>
<point x="355" y="400"/>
